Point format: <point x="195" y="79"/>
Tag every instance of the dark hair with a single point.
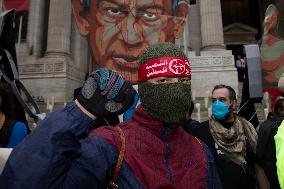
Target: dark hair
<point x="279" y="106"/>
<point x="232" y="93"/>
<point x="8" y="105"/>
<point x="87" y="5"/>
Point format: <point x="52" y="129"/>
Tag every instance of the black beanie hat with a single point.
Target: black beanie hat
<point x="105" y="93"/>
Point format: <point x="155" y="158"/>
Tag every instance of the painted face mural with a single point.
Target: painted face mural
<point x="118" y="31"/>
<point x="272" y="47"/>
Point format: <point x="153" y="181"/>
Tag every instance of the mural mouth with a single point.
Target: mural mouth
<point x="126" y="62"/>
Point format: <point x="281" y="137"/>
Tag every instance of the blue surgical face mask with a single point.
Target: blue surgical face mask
<point x="220" y="110"/>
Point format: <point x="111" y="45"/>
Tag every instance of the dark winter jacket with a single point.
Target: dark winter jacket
<point x="231" y="175"/>
<point x="58" y="154"/>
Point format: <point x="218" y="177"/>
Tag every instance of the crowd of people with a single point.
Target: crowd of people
<point x="84" y="145"/>
<point x="161" y="146"/>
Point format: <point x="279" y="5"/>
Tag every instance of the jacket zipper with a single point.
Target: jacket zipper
<point x="167" y="154"/>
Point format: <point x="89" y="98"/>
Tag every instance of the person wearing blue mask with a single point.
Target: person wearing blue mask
<point x="231" y="139"/>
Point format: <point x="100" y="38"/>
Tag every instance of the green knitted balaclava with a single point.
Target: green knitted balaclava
<point x="169" y="103"/>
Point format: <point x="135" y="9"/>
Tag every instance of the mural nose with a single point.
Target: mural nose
<point x="131" y="31"/>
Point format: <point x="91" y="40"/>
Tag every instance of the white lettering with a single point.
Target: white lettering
<point x="155" y="72"/>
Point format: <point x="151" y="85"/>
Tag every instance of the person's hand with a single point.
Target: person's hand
<point x="105" y="93"/>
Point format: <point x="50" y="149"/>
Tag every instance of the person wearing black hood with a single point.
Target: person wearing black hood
<point x="12" y="131"/>
<point x="265" y="149"/>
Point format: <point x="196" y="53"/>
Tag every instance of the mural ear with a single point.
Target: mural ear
<point x="82" y="23"/>
<point x="183" y="9"/>
<point x="271" y="19"/>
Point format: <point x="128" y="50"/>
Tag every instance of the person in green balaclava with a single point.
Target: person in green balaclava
<point x="165" y="98"/>
<point x="279" y="143"/>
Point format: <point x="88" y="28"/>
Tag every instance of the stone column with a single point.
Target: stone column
<point x="79" y="49"/>
<point x="30" y="32"/>
<point x="194" y="30"/>
<point x="211" y="25"/>
<point x="185" y="37"/>
<point x="36" y="26"/>
<point x="59" y="27"/>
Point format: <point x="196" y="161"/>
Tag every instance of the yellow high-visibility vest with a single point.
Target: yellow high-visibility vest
<point x="279" y="144"/>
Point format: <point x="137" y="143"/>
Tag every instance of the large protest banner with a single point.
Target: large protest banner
<point x="118" y="31"/>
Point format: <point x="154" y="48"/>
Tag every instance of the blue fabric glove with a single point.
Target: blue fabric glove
<point x="105" y="93"/>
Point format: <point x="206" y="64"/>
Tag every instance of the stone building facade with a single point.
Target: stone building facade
<point x="54" y="59"/>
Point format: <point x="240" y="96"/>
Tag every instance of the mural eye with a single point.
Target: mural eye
<point x="150" y="16"/>
<point x="113" y="11"/>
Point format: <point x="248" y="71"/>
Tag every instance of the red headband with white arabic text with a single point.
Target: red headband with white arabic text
<point x="164" y="67"/>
